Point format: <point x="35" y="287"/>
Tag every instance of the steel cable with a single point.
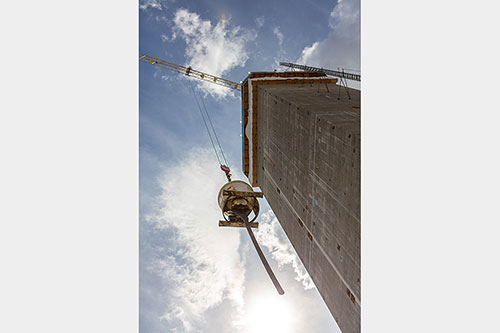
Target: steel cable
<point x="215" y="133"/>
<point x="205" y="122"/>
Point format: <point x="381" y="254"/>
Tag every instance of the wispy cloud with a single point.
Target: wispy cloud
<point x="200" y="266"/>
<point x="281" y="53"/>
<point x="212" y="49"/>
<point x="161" y="18"/>
<point x="342" y="46"/>
<point x="259" y="21"/>
<point x="145" y="4"/>
<point x="279" y="35"/>
<point x="280" y="248"/>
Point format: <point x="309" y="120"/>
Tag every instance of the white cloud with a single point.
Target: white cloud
<point x="164" y="37"/>
<point x="281" y="53"/>
<point x="201" y="267"/>
<point x="342" y="46"/>
<point x="161" y="18"/>
<point x="212" y="49"/>
<point x="279" y="35"/>
<point x="259" y="21"/>
<point x="280" y="248"/>
<point x="308" y="52"/>
<point x="145" y="4"/>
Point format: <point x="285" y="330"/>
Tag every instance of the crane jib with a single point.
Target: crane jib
<point x="189" y="72"/>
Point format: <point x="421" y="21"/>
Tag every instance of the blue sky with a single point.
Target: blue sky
<point x="195" y="276"/>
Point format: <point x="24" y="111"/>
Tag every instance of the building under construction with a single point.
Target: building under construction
<point x="301" y="146"/>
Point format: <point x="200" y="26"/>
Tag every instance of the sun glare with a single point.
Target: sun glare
<point x="269" y="314"/>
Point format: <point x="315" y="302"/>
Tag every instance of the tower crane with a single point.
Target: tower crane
<point x="189" y="72"/>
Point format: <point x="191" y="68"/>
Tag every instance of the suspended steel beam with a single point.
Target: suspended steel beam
<point x="342" y="74"/>
<point x="244" y="216"/>
<point x="189" y="72"/>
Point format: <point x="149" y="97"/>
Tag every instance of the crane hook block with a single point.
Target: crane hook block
<point x="227" y="171"/>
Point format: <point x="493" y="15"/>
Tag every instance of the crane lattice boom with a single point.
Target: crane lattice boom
<point x="345" y="75"/>
<point x="189" y="72"/>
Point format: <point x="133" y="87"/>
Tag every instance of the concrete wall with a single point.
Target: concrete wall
<point x="308" y="160"/>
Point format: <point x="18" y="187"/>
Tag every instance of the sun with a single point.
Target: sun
<point x="223" y="18"/>
<point x="269" y="314"/>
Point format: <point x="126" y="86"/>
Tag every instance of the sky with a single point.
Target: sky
<point x="193" y="275"/>
<point x="69" y="167"/>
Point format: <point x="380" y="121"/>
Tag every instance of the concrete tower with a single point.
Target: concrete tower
<point x="301" y="146"/>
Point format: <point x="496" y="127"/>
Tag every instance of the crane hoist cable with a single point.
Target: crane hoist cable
<point x="206" y="115"/>
<point x="213" y="129"/>
<point x="193" y="73"/>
